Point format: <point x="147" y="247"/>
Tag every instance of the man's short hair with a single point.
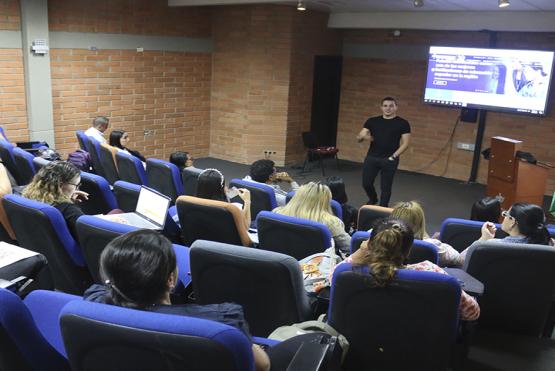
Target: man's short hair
<point x="261" y="170"/>
<point x="100" y="121"/>
<point x="389" y="99"/>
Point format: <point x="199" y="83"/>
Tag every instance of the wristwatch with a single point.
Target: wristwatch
<point x="392" y="158"/>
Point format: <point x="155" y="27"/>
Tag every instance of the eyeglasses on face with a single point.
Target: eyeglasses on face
<point x="75" y="185"/>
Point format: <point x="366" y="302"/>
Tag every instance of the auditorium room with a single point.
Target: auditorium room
<point x="267" y="185"/>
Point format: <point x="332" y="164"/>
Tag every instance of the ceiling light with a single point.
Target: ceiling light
<point x="300" y="6"/>
<point x="503" y="3"/>
<point x="418" y="3"/>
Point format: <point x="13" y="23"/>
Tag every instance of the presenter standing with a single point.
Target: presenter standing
<point x="389" y="137"/>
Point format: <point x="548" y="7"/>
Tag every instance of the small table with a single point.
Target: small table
<point x="468" y="283"/>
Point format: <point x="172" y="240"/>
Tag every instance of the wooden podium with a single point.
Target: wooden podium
<point x="513" y="178"/>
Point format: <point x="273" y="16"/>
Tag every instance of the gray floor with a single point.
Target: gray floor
<point x="441" y="198"/>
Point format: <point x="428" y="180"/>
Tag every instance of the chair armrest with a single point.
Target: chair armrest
<point x="264" y="341"/>
<point x="310" y="356"/>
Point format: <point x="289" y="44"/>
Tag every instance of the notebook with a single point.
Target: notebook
<point x="150" y="213"/>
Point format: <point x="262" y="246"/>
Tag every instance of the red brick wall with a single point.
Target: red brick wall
<point x="366" y="81"/>
<point x="164" y="91"/>
<point x="311" y="38"/>
<point x="250" y="84"/>
<point x="150" y="17"/>
<point x="168" y="92"/>
<point x="13" y="109"/>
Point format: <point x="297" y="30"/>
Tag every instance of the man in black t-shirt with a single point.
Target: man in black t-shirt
<point x="389" y="137"/>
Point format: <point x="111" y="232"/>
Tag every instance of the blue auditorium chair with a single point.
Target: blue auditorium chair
<point x="40" y="227"/>
<point x="127" y="195"/>
<point x="291" y="236"/>
<point x="519" y="282"/>
<point x="203" y="219"/>
<point x="189" y="176"/>
<point x="24" y="163"/>
<point x="30" y="336"/>
<point x="101" y="198"/>
<point x="95" y="233"/>
<point x="83" y="139"/>
<point x="164" y="177"/>
<point x="228" y="273"/>
<point x="460" y="233"/>
<point x="94" y="151"/>
<point x="130" y="168"/>
<point x="335" y="206"/>
<point x="108" y="161"/>
<point x="409" y="325"/>
<point x="420" y="250"/>
<point x="369" y="214"/>
<point x="263" y="196"/>
<point x="109" y="338"/>
<point x="6" y="155"/>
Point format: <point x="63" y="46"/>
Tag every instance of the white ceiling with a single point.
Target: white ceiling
<point x="341" y="6"/>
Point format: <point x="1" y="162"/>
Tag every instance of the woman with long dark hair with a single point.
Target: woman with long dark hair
<point x="523" y="222"/>
<point x="120" y="140"/>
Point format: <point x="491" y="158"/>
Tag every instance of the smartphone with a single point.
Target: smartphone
<point x="231" y="193"/>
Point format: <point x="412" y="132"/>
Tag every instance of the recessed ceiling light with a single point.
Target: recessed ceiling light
<point x="300" y="6"/>
<point x="503" y="3"/>
<point x="418" y="3"/>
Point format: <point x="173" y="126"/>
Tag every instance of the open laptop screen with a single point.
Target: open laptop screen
<point x="153" y="205"/>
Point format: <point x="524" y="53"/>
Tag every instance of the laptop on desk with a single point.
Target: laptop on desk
<point x="150" y="213"/>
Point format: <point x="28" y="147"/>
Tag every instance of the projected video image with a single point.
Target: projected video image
<point x="515" y="80"/>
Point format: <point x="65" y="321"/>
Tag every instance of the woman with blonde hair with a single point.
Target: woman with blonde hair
<point x="57" y="184"/>
<point x="412" y="214"/>
<point x="386" y="251"/>
<point x="312" y="201"/>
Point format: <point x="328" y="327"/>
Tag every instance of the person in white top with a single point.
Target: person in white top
<point x="264" y="171"/>
<point x="99" y="126"/>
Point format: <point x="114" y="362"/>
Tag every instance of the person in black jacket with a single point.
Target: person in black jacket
<point x="120" y="139"/>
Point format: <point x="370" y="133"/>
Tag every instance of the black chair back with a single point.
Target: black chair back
<point x="164" y="177"/>
<point x="189" y="176"/>
<point x="262" y="195"/>
<point x="130" y="169"/>
<point x="461" y="233"/>
<point x="519" y="282"/>
<point x="6" y="155"/>
<point x="94" y="150"/>
<point x="127" y="195"/>
<point x="24" y="163"/>
<point x="295" y="237"/>
<point x="309" y="139"/>
<point x="101" y="199"/>
<point x="41" y="228"/>
<point x="227" y="273"/>
<point x="411" y="324"/>
<point x="370" y="214"/>
<point x="108" y="164"/>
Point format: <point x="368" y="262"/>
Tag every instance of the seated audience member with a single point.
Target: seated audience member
<point x="120" y="139"/>
<point x="312" y="202"/>
<point x="350" y="213"/>
<point x="99" y="126"/>
<point x="523" y="222"/>
<point x="264" y="171"/>
<point x="488" y="209"/>
<point x="140" y="270"/>
<point x="181" y="160"/>
<point x="412" y="214"/>
<point x="57" y="184"/>
<point x="211" y="185"/>
<point x="386" y="251"/>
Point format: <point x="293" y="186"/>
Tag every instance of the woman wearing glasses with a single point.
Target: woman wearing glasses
<point x="523" y="222"/>
<point x="57" y="184"/>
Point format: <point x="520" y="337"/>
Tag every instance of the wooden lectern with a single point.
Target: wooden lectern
<point x="513" y="178"/>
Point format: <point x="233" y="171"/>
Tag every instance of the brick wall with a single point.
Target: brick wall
<point x="311" y="38"/>
<point x="13" y="110"/>
<point x="168" y="92"/>
<point x="250" y="84"/>
<point x="366" y="81"/>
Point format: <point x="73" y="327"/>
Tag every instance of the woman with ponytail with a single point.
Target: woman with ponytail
<point x="523" y="222"/>
<point x="387" y="250"/>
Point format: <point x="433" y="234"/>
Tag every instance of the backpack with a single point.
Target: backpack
<point x="81" y="159"/>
